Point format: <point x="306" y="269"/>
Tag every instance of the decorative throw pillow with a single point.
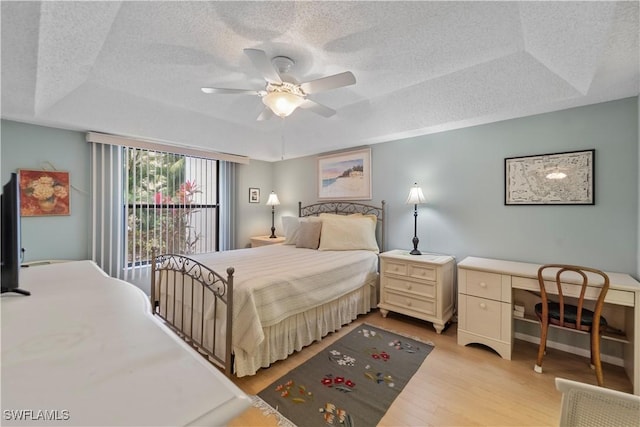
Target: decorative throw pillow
<point x="309" y="234"/>
<point x="349" y="233"/>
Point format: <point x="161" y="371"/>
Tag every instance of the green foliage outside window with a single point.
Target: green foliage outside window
<point x="160" y="205"/>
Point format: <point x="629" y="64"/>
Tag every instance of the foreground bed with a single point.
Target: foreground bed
<point x="262" y="304"/>
<point x="83" y="350"/>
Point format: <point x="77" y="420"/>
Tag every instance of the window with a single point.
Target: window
<point x="170" y="202"/>
<point x="143" y="196"/>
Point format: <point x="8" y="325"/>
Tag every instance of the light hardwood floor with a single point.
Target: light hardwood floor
<point x="457" y="386"/>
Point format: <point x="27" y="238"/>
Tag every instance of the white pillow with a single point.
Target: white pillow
<point x="291" y="225"/>
<point x="346" y="233"/>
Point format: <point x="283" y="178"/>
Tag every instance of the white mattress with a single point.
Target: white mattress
<point x="85" y="347"/>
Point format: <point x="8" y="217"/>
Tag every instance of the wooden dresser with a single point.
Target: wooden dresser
<point x="420" y="286"/>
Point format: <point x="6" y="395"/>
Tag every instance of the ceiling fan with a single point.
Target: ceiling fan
<point x="281" y="97"/>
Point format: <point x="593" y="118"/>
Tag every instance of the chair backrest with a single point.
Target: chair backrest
<point x="588" y="286"/>
<point x="589" y="405"/>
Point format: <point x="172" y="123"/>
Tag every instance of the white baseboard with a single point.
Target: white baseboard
<point x="613" y="360"/>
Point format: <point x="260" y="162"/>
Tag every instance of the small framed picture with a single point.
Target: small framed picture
<point x="254" y="195"/>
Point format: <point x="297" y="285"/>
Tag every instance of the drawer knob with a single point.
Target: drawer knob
<point x="408" y="303"/>
<point x="483" y="285"/>
<point x="409" y="286"/>
<point x="483" y="306"/>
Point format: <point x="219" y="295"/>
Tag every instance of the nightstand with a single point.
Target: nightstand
<point x="265" y="240"/>
<point x="420" y="286"/>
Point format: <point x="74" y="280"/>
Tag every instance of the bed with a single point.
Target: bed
<point x="84" y="350"/>
<point x="247" y="308"/>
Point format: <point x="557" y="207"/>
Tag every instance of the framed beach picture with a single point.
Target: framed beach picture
<point x="44" y="192"/>
<point x="550" y="179"/>
<point x="345" y="176"/>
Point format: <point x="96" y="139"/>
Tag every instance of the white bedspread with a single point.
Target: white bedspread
<point x="274" y="282"/>
<point x="84" y="350"/>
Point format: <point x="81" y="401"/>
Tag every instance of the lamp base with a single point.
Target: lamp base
<point x="415" y="250"/>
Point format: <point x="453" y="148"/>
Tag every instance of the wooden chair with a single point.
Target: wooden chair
<point x="572" y="316"/>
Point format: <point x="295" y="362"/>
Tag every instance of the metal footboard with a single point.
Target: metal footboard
<point x="193" y="299"/>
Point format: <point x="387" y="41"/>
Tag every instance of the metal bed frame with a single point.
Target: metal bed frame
<point x="203" y="280"/>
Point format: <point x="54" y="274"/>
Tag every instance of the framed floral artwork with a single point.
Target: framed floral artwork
<point x="44" y="193"/>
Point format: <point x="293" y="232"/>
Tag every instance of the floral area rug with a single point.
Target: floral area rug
<point x="352" y="383"/>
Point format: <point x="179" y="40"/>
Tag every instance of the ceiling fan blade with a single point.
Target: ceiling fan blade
<point x="262" y="63"/>
<point x="265" y="115"/>
<point x="327" y="83"/>
<point x="227" y="91"/>
<point x="317" y="108"/>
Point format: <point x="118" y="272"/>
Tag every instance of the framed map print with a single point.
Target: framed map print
<point x="550" y="179"/>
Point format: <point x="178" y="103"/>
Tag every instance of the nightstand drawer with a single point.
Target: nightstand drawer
<point x="410" y="302"/>
<point x="485" y="285"/>
<point x="392" y="267"/>
<point x="422" y="272"/>
<point x="425" y="289"/>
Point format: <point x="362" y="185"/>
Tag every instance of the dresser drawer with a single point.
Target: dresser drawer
<point x="410" y="302"/>
<point x="482" y="317"/>
<point x="485" y="285"/>
<point x="425" y="289"/>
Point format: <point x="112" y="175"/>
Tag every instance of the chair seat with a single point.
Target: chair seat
<point x="570" y="316"/>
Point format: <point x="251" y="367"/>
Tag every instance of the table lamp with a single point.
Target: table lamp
<point x="273" y="201"/>
<point x="415" y="198"/>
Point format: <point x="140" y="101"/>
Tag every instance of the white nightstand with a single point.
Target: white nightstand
<point x="420" y="286"/>
<point x="265" y="240"/>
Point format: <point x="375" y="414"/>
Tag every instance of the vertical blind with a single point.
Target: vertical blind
<point x="144" y="198"/>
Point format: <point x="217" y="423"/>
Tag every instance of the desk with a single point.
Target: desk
<point x="485" y="306"/>
<point x="85" y="350"/>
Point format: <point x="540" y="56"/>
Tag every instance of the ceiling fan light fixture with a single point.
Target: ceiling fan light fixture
<point x="282" y="103"/>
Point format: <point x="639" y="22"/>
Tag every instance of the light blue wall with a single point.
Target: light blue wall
<point x="462" y="175"/>
<point x="461" y="172"/>
<point x="253" y="219"/>
<point x="27" y="146"/>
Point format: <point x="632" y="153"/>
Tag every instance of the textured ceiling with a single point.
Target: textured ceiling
<point x="136" y="68"/>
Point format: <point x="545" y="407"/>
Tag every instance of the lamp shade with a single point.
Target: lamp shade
<point x="282" y="103"/>
<point x="415" y="196"/>
<point x="273" y="199"/>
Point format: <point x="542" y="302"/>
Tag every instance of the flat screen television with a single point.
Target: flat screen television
<point x="11" y="249"/>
